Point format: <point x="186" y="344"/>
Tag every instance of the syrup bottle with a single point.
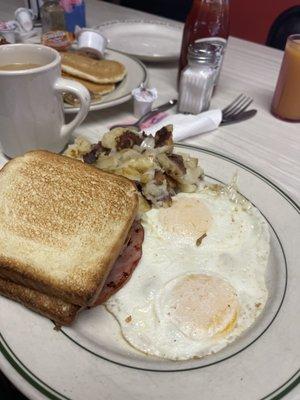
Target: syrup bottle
<point x="207" y="20"/>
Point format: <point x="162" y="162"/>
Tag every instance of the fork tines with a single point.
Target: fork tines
<point x="240" y="104"/>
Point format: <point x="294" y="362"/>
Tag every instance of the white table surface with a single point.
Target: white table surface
<point x="270" y="146"/>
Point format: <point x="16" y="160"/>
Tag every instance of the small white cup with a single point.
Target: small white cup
<point x="142" y="100"/>
<point x="24" y="17"/>
<point x="9" y="35"/>
<point x="92" y="42"/>
<point x="8" y="30"/>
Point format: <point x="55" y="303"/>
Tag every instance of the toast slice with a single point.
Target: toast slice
<point x="98" y="71"/>
<point x="62" y="224"/>
<point x="61" y="312"/>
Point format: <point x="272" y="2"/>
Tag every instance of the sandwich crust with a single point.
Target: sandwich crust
<point x="59" y="311"/>
<point x="62" y="224"/>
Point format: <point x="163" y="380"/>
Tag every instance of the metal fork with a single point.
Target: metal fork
<point x="243" y="116"/>
<point x="237" y="107"/>
<point x="234" y="112"/>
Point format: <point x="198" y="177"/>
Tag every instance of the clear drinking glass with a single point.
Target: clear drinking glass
<point x="286" y="100"/>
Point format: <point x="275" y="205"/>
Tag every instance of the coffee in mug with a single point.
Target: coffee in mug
<point x="18" y="66"/>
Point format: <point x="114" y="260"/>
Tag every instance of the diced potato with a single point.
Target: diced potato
<point x="142" y="164"/>
<point x="170" y="167"/>
<point x="187" y="188"/>
<point x="158" y="195"/>
<point x="158" y="172"/>
<point x="108" y="163"/>
<point x="128" y="154"/>
<point x="109" y="138"/>
<point x="189" y="162"/>
<point x="191" y="176"/>
<point x="80" y="147"/>
<point x="163" y="149"/>
<point x="147" y="176"/>
<point x="172" y="185"/>
<point x="129" y="173"/>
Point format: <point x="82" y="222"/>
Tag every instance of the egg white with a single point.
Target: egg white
<point x="234" y="250"/>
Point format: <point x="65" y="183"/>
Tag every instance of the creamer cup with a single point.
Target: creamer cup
<point x="8" y="30"/>
<point x="143" y="99"/>
<point x="91" y="41"/>
<point x="24" y="17"/>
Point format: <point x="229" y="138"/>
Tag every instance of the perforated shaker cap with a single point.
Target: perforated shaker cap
<point x="203" y="53"/>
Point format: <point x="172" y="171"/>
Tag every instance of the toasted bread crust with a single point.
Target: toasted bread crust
<point x="60" y="312"/>
<point x="62" y="224"/>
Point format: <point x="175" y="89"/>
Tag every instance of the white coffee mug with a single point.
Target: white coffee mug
<point x="31" y="106"/>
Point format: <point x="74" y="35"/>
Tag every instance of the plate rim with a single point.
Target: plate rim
<point x="144" y="57"/>
<point x="31" y="382"/>
<point x="68" y="109"/>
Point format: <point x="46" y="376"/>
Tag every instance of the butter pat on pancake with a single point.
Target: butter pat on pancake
<point x="98" y="71"/>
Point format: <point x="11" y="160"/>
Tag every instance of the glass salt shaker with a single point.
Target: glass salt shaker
<point x="52" y="15"/>
<point x="220" y="52"/>
<point x="198" y="78"/>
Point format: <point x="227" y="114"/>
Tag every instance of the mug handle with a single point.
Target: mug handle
<point x="67" y="85"/>
<point x="30" y="12"/>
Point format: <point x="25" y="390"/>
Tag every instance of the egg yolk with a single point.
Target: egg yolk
<point x="187" y="217"/>
<point x="201" y="306"/>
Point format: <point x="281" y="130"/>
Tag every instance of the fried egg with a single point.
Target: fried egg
<point x="201" y="280"/>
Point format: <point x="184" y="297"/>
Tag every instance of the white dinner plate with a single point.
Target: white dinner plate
<point x="147" y="40"/>
<point x="90" y="360"/>
<point x="136" y="74"/>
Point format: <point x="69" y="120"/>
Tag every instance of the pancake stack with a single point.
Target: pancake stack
<point x="98" y="76"/>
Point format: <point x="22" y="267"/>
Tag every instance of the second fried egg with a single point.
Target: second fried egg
<point x="201" y="280"/>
